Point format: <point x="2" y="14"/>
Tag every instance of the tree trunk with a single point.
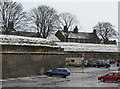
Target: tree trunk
<point x="106" y="41"/>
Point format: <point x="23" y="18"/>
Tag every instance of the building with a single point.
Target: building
<point x="75" y="36"/>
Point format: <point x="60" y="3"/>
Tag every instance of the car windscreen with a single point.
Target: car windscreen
<point x="65" y="71"/>
<point x="110" y="74"/>
<point x="59" y="70"/>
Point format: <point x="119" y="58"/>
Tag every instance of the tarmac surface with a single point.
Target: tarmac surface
<point x="80" y="77"/>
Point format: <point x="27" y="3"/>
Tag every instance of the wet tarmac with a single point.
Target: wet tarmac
<point x="80" y="77"/>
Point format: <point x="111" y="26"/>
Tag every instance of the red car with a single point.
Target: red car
<point x="112" y="61"/>
<point x="112" y="76"/>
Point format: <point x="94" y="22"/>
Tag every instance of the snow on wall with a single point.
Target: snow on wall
<point x="68" y="46"/>
<point x="30" y="41"/>
<point x="87" y="47"/>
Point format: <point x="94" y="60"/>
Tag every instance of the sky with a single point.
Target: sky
<point x="88" y="13"/>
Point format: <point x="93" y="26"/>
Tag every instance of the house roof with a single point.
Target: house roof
<point x="52" y="37"/>
<point x="79" y="35"/>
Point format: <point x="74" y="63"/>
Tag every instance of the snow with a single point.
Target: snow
<point x="80" y="35"/>
<point x="21" y="40"/>
<point x="67" y="46"/>
<point x="52" y="37"/>
<point x="87" y="47"/>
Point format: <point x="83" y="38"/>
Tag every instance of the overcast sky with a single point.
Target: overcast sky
<point x="87" y="13"/>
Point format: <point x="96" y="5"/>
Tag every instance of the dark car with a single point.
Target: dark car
<point x="118" y="61"/>
<point x="59" y="71"/>
<point x="112" y="76"/>
<point x="102" y="65"/>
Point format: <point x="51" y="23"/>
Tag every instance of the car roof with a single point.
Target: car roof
<point x="114" y="72"/>
<point x="62" y="68"/>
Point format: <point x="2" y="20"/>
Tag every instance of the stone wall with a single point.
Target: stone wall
<point x="101" y="55"/>
<point x="28" y="64"/>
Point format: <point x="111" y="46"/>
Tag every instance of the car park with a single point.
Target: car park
<point x="111" y="76"/>
<point x="58" y="72"/>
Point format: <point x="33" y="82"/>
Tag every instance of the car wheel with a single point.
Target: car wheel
<point x="118" y="80"/>
<point x="106" y="66"/>
<point x="63" y="76"/>
<point x="49" y="74"/>
<point x="97" y="66"/>
<point x="102" y="80"/>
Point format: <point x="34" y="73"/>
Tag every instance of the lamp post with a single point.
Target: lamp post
<point x="83" y="55"/>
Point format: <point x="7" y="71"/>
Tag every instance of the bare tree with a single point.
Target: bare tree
<point x="105" y="30"/>
<point x="44" y="19"/>
<point x="68" y="20"/>
<point x="12" y="17"/>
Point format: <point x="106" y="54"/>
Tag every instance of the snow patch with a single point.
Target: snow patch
<point x="87" y="47"/>
<point x="21" y="40"/>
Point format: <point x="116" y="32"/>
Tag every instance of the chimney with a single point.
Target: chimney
<point x="94" y="32"/>
<point x="65" y="29"/>
<point x="75" y="29"/>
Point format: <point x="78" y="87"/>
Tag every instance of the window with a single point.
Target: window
<point x="115" y="74"/>
<point x="55" y="70"/>
<point x="59" y="70"/>
<point x="111" y="74"/>
<point x="64" y="70"/>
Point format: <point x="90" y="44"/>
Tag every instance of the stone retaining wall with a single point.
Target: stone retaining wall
<point x="28" y="64"/>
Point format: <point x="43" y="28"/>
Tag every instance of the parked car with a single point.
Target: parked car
<point x="118" y="61"/>
<point x="111" y="76"/>
<point x="102" y="61"/>
<point x="102" y="65"/>
<point x="91" y="63"/>
<point x="108" y="61"/>
<point x="112" y="61"/>
<point x="58" y="72"/>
